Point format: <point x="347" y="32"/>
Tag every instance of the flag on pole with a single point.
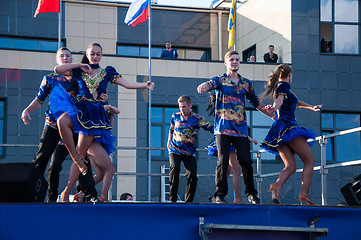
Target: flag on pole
<point x="232" y="17"/>
<point x="47" y="6"/>
<point x="138" y="12"/>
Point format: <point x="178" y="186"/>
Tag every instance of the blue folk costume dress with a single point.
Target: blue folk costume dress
<point x="285" y="128"/>
<point x="87" y="114"/>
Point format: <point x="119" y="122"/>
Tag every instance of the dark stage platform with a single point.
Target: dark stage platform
<point x="177" y="221"/>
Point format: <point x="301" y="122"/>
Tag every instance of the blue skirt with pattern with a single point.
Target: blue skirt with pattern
<point x="212" y="148"/>
<point x="282" y="131"/>
<point x="88" y="117"/>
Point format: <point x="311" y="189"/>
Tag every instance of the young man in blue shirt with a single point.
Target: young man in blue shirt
<point x="230" y="124"/>
<point x="181" y="146"/>
<point x="168" y="52"/>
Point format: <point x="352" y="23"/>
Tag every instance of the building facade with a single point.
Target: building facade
<point x="28" y="46"/>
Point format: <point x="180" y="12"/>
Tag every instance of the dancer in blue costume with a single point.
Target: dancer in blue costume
<point x="286" y="137"/>
<point x="233" y="162"/>
<point x="86" y="114"/>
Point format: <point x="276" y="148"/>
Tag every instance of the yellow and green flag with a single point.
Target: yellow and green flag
<point x="232" y="17"/>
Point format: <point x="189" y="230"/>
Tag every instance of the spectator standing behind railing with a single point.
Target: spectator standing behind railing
<point x="168" y="52"/>
<point x="270" y="57"/>
<point x="286" y="137"/>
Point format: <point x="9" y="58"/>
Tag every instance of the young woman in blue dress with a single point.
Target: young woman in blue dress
<point x="86" y="114"/>
<point x="286" y="137"/>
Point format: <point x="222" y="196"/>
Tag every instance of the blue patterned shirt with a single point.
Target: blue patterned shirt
<point x="47" y="85"/>
<point x="184" y="132"/>
<point x="230" y="112"/>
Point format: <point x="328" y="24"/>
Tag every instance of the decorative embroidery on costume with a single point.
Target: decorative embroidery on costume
<point x="114" y="78"/>
<point x="92" y="83"/>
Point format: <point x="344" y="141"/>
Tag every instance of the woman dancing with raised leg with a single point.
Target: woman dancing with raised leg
<point x="87" y="115"/>
<point x="286" y="137"/>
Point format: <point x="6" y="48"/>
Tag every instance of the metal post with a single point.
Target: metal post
<point x="219" y="36"/>
<point x="150" y="106"/>
<point x="162" y="184"/>
<point x="59" y="25"/>
<point x="259" y="172"/>
<point x="323" y="170"/>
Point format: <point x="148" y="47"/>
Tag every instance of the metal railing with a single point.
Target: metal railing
<point x="259" y="176"/>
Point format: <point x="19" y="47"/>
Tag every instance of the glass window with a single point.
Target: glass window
<point x="128" y="51"/>
<point x="346" y="10"/>
<point x="348" y="147"/>
<point x="25" y="44"/>
<point x="327" y="120"/>
<point x="259" y="125"/>
<point x="144" y="51"/>
<point x="261" y="119"/>
<point x="157" y="114"/>
<point x="259" y="134"/>
<point x="345" y="147"/>
<point x="48" y="46"/>
<point x="156" y="140"/>
<point x="29" y="44"/>
<point x="329" y="153"/>
<point x="161" y="117"/>
<point x="346" y="39"/>
<point x="339" y="27"/>
<point x="349" y="120"/>
<point x="5" y="42"/>
<point x="326" y="10"/>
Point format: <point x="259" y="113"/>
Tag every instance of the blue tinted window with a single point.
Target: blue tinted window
<point x="329" y="147"/>
<point x="144" y="51"/>
<point x="156" y="140"/>
<point x="5" y="42"/>
<point x="168" y="114"/>
<point x="161" y="117"/>
<point x="128" y="51"/>
<point x="327" y="120"/>
<point x="48" y="46"/>
<point x="25" y="44"/>
<point x="345" y="121"/>
<point x="261" y="119"/>
<point x="157" y="115"/>
<point x="1" y="109"/>
<point x="348" y="147"/>
<point x="259" y="134"/>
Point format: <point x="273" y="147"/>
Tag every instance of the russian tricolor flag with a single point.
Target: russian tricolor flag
<point x="138" y="12"/>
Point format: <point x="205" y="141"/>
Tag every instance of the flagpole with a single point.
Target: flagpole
<point x="149" y="104"/>
<point x="59" y="25"/>
<point x="235" y="25"/>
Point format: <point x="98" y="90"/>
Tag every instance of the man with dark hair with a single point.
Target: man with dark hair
<point x="168" y="52"/>
<point x="126" y="197"/>
<point x="270" y="57"/>
<point x="181" y="146"/>
<point x="230" y="124"/>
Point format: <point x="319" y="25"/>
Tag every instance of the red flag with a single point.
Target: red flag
<point x="47" y="6"/>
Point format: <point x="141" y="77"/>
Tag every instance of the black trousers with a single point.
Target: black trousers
<point x="242" y="146"/>
<point x="190" y="168"/>
<point x="48" y="144"/>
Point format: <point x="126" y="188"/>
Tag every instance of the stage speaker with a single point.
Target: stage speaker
<point x="21" y="182"/>
<point x="352" y="192"/>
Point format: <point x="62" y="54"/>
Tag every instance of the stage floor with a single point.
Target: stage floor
<point x="169" y="221"/>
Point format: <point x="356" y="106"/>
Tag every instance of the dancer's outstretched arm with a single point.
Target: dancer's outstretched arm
<point x="133" y="85"/>
<point x="315" y="108"/>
